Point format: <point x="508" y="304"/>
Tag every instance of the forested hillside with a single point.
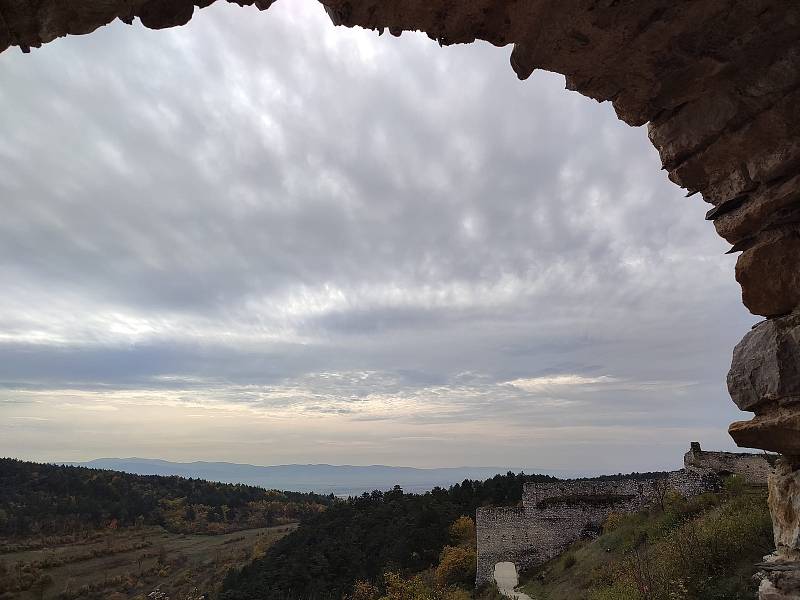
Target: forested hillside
<point x="59" y="500"/>
<point x="363" y="538"/>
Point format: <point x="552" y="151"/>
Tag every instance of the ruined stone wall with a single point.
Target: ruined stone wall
<point x="530" y="537"/>
<point x="555" y="514"/>
<point x="633" y="492"/>
<point x="504" y="534"/>
<point x="753" y="468"/>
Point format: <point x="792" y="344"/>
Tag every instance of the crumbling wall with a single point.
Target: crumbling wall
<point x="753" y="468"/>
<point x="555" y="514"/>
<point x="529" y="537"/>
<point x="504" y="534"/>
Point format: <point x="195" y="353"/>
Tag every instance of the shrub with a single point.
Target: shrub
<point x="735" y="485"/>
<point x="462" y="531"/>
<point x="417" y="588"/>
<point x="398" y="588"/>
<point x="363" y="590"/>
<point x="612" y="522"/>
<point x="489" y="592"/>
<point x="569" y="561"/>
<point x="457" y="566"/>
<point x="706" y="551"/>
<point x="617" y="591"/>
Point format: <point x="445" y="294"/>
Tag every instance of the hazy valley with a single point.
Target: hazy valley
<point x="340" y="480"/>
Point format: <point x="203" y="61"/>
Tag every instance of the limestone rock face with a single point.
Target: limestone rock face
<point x="156" y="14"/>
<point x="769" y="273"/>
<point x="784" y="504"/>
<point x="766" y="365"/>
<point x="780" y="585"/>
<point x="31" y="23"/>
<point x="767" y="208"/>
<point x="777" y="430"/>
<point x="765" y="378"/>
<point x="781" y="575"/>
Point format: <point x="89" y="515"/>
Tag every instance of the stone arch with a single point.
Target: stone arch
<point x="718" y="84"/>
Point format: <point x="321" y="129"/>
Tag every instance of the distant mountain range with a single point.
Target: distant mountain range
<point x="341" y="480"/>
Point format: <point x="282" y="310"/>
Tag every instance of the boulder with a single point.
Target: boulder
<point x="765" y="371"/>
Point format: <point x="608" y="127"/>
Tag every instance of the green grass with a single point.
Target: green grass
<point x="699" y="549"/>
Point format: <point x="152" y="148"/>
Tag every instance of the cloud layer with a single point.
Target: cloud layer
<point x="266" y="239"/>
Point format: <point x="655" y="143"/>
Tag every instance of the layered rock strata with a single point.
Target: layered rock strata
<point x="781" y="570"/>
<point x="718" y="82"/>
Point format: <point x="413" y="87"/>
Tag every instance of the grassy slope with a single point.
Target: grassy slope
<point x="705" y="549"/>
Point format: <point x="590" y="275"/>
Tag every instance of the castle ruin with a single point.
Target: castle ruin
<point x="553" y="515"/>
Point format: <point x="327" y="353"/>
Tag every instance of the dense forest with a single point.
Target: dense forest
<point x="60" y="500"/>
<point x="363" y="538"/>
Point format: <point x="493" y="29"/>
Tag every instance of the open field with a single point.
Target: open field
<point x="130" y="563"/>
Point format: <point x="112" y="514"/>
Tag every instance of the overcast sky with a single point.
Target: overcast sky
<point x="259" y="238"/>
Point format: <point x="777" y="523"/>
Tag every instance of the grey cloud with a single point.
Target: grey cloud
<point x="256" y="199"/>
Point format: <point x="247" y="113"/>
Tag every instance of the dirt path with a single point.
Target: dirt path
<point x="505" y="574"/>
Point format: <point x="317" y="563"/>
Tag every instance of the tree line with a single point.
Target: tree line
<point x="362" y="538"/>
<point x="52" y="499"/>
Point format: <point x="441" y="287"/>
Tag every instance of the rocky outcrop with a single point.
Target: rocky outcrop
<point x="31" y="23"/>
<point x="768" y="272"/>
<point x="780" y="584"/>
<point x="781" y="571"/>
<point x="765" y="379"/>
<point x="784" y="502"/>
<point x="717" y="82"/>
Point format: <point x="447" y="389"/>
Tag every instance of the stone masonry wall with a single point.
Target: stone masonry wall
<point x="753" y="468"/>
<point x="555" y="514"/>
<point x="505" y="534"/>
<point x="624" y="491"/>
